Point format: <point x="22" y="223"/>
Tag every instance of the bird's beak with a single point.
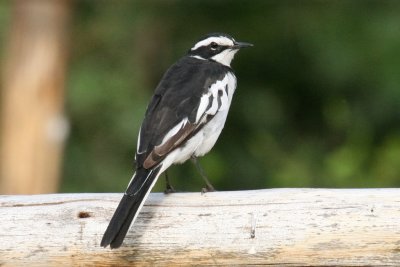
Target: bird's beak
<point x="239" y="45"/>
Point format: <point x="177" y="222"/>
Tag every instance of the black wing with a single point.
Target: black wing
<point x="172" y="112"/>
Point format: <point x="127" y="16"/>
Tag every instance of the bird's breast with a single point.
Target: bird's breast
<point x="222" y="92"/>
<point x="216" y="103"/>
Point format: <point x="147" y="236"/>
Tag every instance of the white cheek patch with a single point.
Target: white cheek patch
<point x="225" y="57"/>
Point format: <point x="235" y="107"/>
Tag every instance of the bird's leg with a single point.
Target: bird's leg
<point x="168" y="187"/>
<point x="209" y="187"/>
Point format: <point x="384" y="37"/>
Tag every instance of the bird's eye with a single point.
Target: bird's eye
<point x="214" y="45"/>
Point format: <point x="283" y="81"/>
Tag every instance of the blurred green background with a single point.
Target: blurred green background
<point x="317" y="103"/>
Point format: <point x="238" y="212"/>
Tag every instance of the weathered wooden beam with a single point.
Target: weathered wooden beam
<point x="292" y="227"/>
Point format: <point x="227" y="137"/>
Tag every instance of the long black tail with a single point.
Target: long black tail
<point x="129" y="206"/>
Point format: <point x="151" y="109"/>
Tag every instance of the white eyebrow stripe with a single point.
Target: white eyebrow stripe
<point x="219" y="40"/>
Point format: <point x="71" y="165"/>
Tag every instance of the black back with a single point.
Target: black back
<point x="176" y="97"/>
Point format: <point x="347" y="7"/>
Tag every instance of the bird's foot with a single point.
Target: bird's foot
<point x="208" y="188"/>
<point x="169" y="190"/>
<point x="168" y="187"/>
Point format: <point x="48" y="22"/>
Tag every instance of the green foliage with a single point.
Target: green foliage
<point x="317" y="103"/>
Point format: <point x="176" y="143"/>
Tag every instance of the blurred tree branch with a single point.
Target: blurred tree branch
<point x="33" y="127"/>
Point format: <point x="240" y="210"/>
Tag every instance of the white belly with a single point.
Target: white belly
<point x="210" y="133"/>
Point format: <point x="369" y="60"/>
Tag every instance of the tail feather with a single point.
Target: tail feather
<point x="129" y="206"/>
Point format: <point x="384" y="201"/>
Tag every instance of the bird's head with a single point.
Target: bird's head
<point x="218" y="47"/>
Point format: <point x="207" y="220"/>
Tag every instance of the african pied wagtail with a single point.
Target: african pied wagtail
<point x="183" y="120"/>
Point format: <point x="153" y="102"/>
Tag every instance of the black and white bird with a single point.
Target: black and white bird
<point x="183" y="120"/>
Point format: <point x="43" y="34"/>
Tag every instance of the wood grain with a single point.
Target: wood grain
<point x="289" y="227"/>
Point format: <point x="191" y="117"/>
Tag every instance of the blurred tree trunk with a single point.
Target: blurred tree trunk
<point x="33" y="127"/>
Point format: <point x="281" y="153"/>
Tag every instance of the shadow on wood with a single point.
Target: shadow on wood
<point x="292" y="227"/>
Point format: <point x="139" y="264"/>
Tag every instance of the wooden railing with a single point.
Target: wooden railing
<point x="289" y="227"/>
